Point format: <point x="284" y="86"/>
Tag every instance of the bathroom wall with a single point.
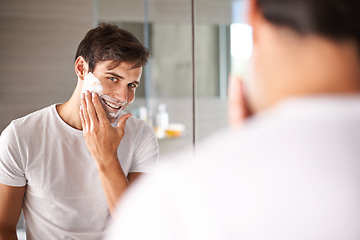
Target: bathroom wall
<point x="38" y="40"/>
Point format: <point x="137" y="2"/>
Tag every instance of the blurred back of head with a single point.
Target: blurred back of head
<point x="335" y="19"/>
<point x="303" y="47"/>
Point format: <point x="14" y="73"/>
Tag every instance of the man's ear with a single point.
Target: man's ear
<point x="81" y="67"/>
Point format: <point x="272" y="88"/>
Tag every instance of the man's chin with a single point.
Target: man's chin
<point x="113" y="119"/>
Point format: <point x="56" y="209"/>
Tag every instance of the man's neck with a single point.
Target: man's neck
<point x="69" y="111"/>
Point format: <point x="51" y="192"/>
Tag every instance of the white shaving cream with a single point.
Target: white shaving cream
<point x="92" y="84"/>
<point x="114" y="115"/>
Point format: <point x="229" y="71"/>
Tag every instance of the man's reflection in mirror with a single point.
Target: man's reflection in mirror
<point x="68" y="164"/>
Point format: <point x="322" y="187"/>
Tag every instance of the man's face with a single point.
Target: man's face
<point x="115" y="86"/>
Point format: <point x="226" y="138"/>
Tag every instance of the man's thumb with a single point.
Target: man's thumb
<point x="122" y="121"/>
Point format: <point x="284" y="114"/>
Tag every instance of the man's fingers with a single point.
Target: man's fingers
<point x="122" y="121"/>
<point x="85" y="115"/>
<point x="90" y="109"/>
<point x="238" y="109"/>
<point x="101" y="115"/>
<point x="81" y="113"/>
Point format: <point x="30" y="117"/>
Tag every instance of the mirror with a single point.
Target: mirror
<point x="183" y="89"/>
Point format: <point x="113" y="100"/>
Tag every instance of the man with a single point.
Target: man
<point x="67" y="165"/>
<point x="291" y="171"/>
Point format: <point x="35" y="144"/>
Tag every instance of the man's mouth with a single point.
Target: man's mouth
<point x="112" y="105"/>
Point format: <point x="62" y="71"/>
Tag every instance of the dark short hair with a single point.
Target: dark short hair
<point x="335" y="19"/>
<point x="109" y="42"/>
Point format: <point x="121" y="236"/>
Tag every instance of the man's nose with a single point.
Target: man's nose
<point x="121" y="93"/>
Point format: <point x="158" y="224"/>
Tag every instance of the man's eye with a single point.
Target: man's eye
<point x="132" y="85"/>
<point x="113" y="79"/>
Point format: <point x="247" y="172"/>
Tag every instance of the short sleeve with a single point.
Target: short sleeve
<point x="147" y="151"/>
<point x="11" y="169"/>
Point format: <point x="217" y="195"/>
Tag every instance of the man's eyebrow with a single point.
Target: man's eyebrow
<point x="114" y="74"/>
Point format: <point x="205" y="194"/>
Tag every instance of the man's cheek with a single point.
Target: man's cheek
<point x="92" y="84"/>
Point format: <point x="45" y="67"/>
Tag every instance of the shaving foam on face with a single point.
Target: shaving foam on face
<point x="114" y="115"/>
<point x="92" y="84"/>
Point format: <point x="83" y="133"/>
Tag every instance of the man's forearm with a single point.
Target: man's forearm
<point x="103" y="140"/>
<point x="11" y="202"/>
<point x="114" y="182"/>
<point x="8" y="234"/>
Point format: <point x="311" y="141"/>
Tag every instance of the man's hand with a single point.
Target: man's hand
<point x="238" y="108"/>
<point x="101" y="138"/>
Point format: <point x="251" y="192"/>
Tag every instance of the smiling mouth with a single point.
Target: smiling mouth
<point x="109" y="104"/>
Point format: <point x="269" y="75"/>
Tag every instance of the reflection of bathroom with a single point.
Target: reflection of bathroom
<point x="169" y="109"/>
<point x="183" y="89"/>
<point x="188" y="114"/>
<point x="165" y="98"/>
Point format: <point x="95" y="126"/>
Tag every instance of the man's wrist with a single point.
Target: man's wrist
<point x="107" y="163"/>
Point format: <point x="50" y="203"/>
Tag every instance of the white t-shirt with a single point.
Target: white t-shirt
<point x="64" y="198"/>
<point x="290" y="173"/>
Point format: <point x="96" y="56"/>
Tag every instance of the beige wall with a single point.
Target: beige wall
<point x="38" y="41"/>
<point x="165" y="11"/>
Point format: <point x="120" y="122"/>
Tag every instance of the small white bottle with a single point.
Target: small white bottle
<point x="162" y="121"/>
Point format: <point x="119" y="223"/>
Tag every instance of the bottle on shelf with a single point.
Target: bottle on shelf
<point x="161" y="121"/>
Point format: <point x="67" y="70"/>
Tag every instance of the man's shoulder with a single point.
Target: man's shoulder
<point x="31" y="120"/>
<point x="139" y="133"/>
